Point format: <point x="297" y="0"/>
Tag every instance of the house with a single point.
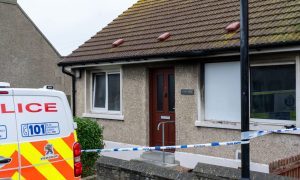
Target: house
<point x="27" y="58"/>
<point x="176" y="61"/>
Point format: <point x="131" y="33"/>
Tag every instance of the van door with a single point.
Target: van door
<point x="46" y="137"/>
<point x="9" y="156"/>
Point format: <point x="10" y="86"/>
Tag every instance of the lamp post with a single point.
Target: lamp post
<point x="244" y="18"/>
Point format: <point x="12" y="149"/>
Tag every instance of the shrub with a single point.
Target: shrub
<point x="89" y="135"/>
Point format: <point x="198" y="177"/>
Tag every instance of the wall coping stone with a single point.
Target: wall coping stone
<point x="210" y="171"/>
<point x="114" y="167"/>
<point x="145" y="169"/>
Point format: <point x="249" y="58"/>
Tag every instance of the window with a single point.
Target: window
<point x="160" y="92"/>
<point x="222" y="91"/>
<point x="106" y="92"/>
<point x="273" y="92"/>
<point x="171" y="89"/>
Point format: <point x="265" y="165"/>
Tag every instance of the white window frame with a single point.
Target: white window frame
<point x="105" y="110"/>
<point x="274" y="121"/>
<point x="255" y="124"/>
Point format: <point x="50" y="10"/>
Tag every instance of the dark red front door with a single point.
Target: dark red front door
<point x="162" y="105"/>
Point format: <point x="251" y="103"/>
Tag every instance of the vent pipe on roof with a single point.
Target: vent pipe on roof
<point x="233" y="27"/>
<point x="118" y="42"/>
<point x="164" y="36"/>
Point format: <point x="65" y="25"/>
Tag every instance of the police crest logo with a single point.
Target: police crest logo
<point x="49" y="153"/>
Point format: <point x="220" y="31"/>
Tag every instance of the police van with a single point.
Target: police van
<point x="37" y="135"/>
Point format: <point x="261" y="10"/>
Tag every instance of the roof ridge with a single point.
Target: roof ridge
<point x="176" y="5"/>
<point x="164" y="18"/>
<point x="251" y="5"/>
<point x="142" y="18"/>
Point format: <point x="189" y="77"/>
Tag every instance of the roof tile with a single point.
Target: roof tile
<point x="195" y="26"/>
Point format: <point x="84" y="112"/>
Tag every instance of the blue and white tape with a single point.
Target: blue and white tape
<point x="246" y="137"/>
<point x="213" y="144"/>
<point x="254" y="134"/>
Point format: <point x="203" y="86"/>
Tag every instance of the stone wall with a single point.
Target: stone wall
<point x="115" y="169"/>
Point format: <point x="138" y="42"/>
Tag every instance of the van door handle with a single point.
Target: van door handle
<point x="4" y="160"/>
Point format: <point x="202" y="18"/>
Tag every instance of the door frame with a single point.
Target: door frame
<point x="151" y="104"/>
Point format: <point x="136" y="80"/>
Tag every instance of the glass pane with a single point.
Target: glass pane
<point x="114" y="92"/>
<point x="171" y="88"/>
<point x="100" y="90"/>
<point x="160" y="92"/>
<point x="273" y="92"/>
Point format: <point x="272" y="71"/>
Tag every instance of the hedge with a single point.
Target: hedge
<point x="89" y="135"/>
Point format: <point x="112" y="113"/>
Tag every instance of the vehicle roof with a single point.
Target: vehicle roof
<point x="34" y="92"/>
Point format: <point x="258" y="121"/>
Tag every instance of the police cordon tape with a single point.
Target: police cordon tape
<point x="246" y="137"/>
<point x="213" y="144"/>
<point x="254" y="134"/>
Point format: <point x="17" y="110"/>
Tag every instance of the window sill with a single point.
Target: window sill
<point x="118" y="117"/>
<point x="237" y="126"/>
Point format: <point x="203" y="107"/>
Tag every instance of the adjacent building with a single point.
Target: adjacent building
<point x="27" y="58"/>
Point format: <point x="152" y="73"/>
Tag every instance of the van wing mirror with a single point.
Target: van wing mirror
<point x="75" y="125"/>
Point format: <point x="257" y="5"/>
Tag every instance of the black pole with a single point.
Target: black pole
<point x="245" y="86"/>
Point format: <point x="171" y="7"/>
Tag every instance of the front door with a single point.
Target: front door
<point x="162" y="106"/>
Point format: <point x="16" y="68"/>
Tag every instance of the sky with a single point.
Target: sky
<point x="69" y="23"/>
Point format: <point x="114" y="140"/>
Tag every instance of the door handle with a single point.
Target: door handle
<point x="4" y="160"/>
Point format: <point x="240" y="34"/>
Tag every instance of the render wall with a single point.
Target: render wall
<point x="134" y="129"/>
<point x="263" y="150"/>
<point x="27" y="60"/>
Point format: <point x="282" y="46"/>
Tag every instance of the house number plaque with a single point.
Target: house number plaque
<point x="187" y="92"/>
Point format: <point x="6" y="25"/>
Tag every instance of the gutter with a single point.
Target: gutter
<point x="73" y="89"/>
<point x="186" y="54"/>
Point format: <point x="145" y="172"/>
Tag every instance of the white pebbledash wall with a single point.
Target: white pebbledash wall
<point x="190" y="125"/>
